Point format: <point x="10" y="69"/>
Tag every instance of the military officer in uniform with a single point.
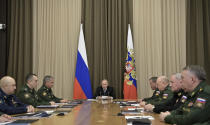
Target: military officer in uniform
<point x="45" y="93"/>
<point x="175" y="102"/>
<point x="164" y="95"/>
<point x="105" y="89"/>
<point x="153" y="86"/>
<point x="197" y="106"/>
<point x="9" y="104"/>
<point x="28" y="94"/>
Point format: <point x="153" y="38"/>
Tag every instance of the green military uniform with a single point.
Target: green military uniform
<point x="29" y="96"/>
<point x="195" y="109"/>
<point x="204" y="123"/>
<point x="155" y="94"/>
<point x="163" y="97"/>
<point x="172" y="104"/>
<point x="46" y="94"/>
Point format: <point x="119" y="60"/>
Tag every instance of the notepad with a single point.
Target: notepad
<point x="47" y="106"/>
<point x="143" y="121"/>
<point x="68" y="106"/>
<point x="139" y="117"/>
<point x="35" y="115"/>
<point x="136" y="111"/>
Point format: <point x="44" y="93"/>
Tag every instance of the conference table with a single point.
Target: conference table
<point x="92" y="113"/>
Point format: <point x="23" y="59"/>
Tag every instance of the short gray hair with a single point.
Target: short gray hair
<point x="196" y="70"/>
<point x="153" y="79"/>
<point x="47" y="78"/>
<point x="178" y="76"/>
<point x="29" y="77"/>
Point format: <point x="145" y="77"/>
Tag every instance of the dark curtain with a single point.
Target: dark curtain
<point x="105" y="29"/>
<point x="198" y="33"/>
<point x="19" y="39"/>
<point x="3" y="43"/>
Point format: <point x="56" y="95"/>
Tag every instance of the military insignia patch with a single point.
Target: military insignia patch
<point x="193" y="94"/>
<point x="157" y="93"/>
<point x="186" y="109"/>
<point x="26" y="95"/>
<point x="190" y="104"/>
<point x="201" y="89"/>
<point x="13" y="102"/>
<point x="183" y="99"/>
<point x="44" y="93"/>
<point x="200" y="102"/>
<point x="165" y="96"/>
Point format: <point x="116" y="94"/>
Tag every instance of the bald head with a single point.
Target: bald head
<point x="162" y="82"/>
<point x="8" y="85"/>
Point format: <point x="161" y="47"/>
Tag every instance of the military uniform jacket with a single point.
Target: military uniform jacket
<point x="155" y="94"/>
<point x="109" y="92"/>
<point x="203" y="123"/>
<point x="163" y="97"/>
<point x="46" y="94"/>
<point x="10" y="104"/>
<point x="29" y="96"/>
<point x="195" y="109"/>
<point x="172" y="104"/>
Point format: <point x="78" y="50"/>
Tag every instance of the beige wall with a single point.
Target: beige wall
<point x="159" y="39"/>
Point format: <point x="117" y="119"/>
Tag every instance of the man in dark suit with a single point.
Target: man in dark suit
<point x="104" y="90"/>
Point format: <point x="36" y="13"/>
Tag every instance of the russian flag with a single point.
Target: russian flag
<point x="130" y="85"/>
<point x="82" y="84"/>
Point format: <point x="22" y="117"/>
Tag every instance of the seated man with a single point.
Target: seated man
<point x="9" y="104"/>
<point x="28" y="94"/>
<point x="153" y="86"/>
<point x="104" y="90"/>
<point x="175" y="102"/>
<point x="197" y="106"/>
<point x="165" y="92"/>
<point x="45" y="93"/>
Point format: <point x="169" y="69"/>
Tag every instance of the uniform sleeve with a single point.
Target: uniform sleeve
<point x="149" y="98"/>
<point x="167" y="106"/>
<point x="162" y="99"/>
<point x="196" y="113"/>
<point x="43" y="96"/>
<point x="25" y="97"/>
<point x="56" y="99"/>
<point x="160" y="108"/>
<point x="47" y="96"/>
<point x="12" y="110"/>
<point x="42" y="103"/>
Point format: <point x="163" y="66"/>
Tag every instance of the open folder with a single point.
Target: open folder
<point x="35" y="115"/>
<point x="143" y="121"/>
<point x="47" y="106"/>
